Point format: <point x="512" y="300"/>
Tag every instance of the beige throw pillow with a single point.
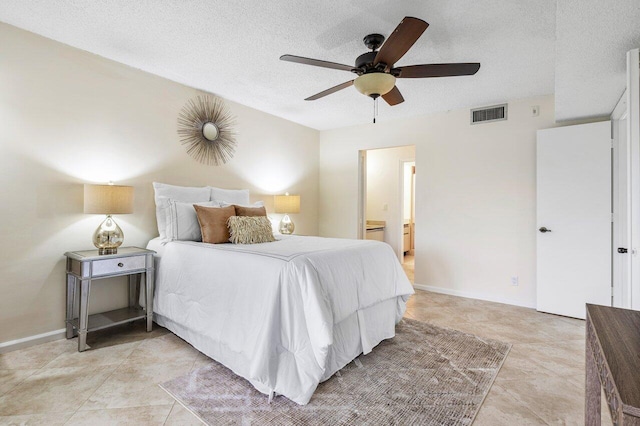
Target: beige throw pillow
<point x="213" y="223"/>
<point x="250" y="229"/>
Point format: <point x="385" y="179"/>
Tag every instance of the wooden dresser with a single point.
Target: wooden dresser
<point x="613" y="363"/>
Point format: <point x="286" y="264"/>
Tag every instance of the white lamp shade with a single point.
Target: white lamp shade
<point x="287" y="203"/>
<point x="108" y="199"/>
<point x="375" y="83"/>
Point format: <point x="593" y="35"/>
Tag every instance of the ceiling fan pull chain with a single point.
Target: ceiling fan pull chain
<point x="374" y="111"/>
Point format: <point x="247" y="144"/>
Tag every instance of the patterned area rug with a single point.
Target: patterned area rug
<point x="426" y="375"/>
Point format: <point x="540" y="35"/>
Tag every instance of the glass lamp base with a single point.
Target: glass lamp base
<point x="108" y="237"/>
<point x="102" y="251"/>
<point x="286" y="225"/>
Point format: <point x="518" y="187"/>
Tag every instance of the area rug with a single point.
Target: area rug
<point x="425" y="375"/>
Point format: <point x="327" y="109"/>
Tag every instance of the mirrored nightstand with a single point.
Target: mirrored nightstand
<point x="85" y="267"/>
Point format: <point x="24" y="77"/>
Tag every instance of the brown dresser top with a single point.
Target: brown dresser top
<point x="618" y="331"/>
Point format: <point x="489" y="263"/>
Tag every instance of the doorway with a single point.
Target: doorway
<point x="625" y="136"/>
<point x="386" y="200"/>
<point x="621" y="231"/>
<point x="408" y="214"/>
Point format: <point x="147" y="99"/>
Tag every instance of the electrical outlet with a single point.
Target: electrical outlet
<point x="514" y="281"/>
<point x="385" y="207"/>
<point x="535" y="111"/>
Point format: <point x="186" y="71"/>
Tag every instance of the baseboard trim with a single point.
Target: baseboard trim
<point x="471" y="295"/>
<point x="25" y="342"/>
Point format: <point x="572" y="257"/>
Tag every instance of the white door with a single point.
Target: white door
<point x="633" y="135"/>
<point x="574" y="218"/>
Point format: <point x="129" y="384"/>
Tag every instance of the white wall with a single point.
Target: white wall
<point x="408" y="172"/>
<point x="475" y="195"/>
<point x="68" y="117"/>
<point x="383" y="189"/>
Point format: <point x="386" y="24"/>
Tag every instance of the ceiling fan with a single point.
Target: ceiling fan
<point x="375" y="69"/>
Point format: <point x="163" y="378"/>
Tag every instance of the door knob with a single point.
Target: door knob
<point x="543" y="230"/>
<point x="622" y="250"/>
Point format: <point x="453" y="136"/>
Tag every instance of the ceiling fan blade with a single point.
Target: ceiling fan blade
<point x="315" y="62"/>
<point x="400" y="41"/>
<point x="394" y="97"/>
<point x="436" y="70"/>
<point x="330" y="91"/>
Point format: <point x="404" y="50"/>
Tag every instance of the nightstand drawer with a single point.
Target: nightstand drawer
<point x="120" y="265"/>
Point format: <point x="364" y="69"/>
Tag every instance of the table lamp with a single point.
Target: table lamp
<point x="287" y="204"/>
<point x="108" y="199"/>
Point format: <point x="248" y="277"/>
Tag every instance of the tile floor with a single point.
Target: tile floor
<point x="541" y="382"/>
<point x="408" y="264"/>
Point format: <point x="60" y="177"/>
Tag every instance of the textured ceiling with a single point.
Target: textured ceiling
<point x="231" y="48"/>
<point x="593" y="37"/>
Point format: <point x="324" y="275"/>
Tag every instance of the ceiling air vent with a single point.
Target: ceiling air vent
<point x="489" y="114"/>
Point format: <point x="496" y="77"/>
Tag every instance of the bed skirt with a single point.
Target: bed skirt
<point x="358" y="333"/>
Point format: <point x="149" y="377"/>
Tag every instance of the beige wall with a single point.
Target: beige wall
<point x="475" y="195"/>
<point x="68" y="117"/>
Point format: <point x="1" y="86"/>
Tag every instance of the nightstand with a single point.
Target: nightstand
<point x="85" y="267"/>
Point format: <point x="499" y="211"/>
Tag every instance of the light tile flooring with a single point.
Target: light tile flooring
<point x="115" y="382"/>
<point x="408" y="264"/>
<point x="542" y="380"/>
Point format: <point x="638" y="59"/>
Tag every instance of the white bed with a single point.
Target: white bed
<point x="284" y="315"/>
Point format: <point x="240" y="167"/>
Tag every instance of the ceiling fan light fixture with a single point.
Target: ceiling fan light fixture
<point x="375" y="83"/>
<point x="375" y="69"/>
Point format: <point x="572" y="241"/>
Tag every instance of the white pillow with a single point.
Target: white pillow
<point x="178" y="193"/>
<point x="227" y="204"/>
<point x="182" y="220"/>
<point x="231" y="196"/>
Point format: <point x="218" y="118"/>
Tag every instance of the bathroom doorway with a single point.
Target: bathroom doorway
<point x="386" y="200"/>
<point x="408" y="191"/>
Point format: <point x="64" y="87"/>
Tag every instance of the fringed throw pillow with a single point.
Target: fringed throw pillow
<point x="250" y="229"/>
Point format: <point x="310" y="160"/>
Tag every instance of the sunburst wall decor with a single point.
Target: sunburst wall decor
<point x="205" y="126"/>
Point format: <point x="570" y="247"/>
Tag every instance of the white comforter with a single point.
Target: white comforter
<point x="269" y="311"/>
